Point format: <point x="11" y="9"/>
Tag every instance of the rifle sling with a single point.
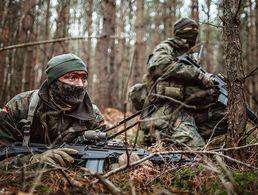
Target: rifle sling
<point x="31" y="111"/>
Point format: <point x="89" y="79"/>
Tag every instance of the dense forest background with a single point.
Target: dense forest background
<point x="114" y="38"/>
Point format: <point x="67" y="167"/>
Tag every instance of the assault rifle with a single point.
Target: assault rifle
<point x="96" y="157"/>
<point x="99" y="150"/>
<point x="221" y="86"/>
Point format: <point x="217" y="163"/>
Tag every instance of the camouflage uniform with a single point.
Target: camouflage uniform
<point x="49" y="123"/>
<point x="63" y="110"/>
<point x="172" y="123"/>
<point x="59" y="112"/>
<point x="168" y="78"/>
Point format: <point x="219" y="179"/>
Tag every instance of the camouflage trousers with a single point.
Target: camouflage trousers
<point x="170" y="124"/>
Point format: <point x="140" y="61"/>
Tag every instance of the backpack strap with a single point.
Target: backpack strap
<point x="31" y="111"/>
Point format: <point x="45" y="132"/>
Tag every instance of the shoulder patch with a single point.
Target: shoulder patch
<point x="5" y="109"/>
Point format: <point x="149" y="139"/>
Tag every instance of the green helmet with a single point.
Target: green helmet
<point x="186" y="28"/>
<point x="62" y="64"/>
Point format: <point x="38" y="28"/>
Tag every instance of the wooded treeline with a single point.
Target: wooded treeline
<point x="114" y="38"/>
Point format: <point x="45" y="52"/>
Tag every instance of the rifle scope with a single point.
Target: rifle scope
<point x="94" y="135"/>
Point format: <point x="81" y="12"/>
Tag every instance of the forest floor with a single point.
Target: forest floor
<point x="208" y="174"/>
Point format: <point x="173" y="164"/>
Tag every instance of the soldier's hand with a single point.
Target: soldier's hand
<point x="206" y="79"/>
<point x="60" y="156"/>
<point x="122" y="160"/>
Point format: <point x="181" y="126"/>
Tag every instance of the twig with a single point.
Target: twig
<point x="251" y="73"/>
<point x="223" y="166"/>
<point x="232" y="185"/>
<point x="66" y="177"/>
<point x="173" y="100"/>
<point x="238" y="9"/>
<point x="162" y="173"/>
<point x="211" y="166"/>
<point x="133" y="192"/>
<point x="126" y="96"/>
<point x="129" y="75"/>
<point x="109" y="185"/>
<point x="37" y="179"/>
<point x="207" y="23"/>
<point x="248" y="133"/>
<point x="235" y="148"/>
<point x="125" y="167"/>
<point x="213" y="131"/>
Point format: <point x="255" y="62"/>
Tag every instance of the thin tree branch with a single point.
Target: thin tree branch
<point x="207" y="23"/>
<point x="173" y="100"/>
<point x="109" y="185"/>
<point x="54" y="41"/>
<point x="235" y="148"/>
<point x="119" y="169"/>
<point x="251" y="73"/>
<point x="213" y="130"/>
<point x="238" y="9"/>
<point x="248" y="133"/>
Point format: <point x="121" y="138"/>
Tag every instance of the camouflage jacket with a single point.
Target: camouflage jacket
<point x="50" y="125"/>
<point x="165" y="54"/>
<point x="168" y="78"/>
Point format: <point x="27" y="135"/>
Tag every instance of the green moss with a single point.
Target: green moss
<point x="42" y="189"/>
<point x="39" y="188"/>
<point x="246" y="181"/>
<point x="198" y="180"/>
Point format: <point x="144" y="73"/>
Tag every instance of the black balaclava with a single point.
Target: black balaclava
<point x="186" y="28"/>
<point x="64" y="95"/>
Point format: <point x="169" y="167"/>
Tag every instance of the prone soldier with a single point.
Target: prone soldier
<point x="60" y="111"/>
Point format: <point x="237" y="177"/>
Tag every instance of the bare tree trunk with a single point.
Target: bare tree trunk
<point x="140" y="56"/>
<point x="29" y="57"/>
<point x="89" y="11"/>
<point x="195" y="13"/>
<point x="112" y="68"/>
<point x="235" y="75"/>
<point x="169" y="17"/>
<point x="62" y="26"/>
<point x="195" y="10"/>
<point x="46" y="47"/>
<point x="3" y="41"/>
<point x="157" y="20"/>
<point x="220" y="58"/>
<point x="255" y="79"/>
<point x="24" y="58"/>
<point x="208" y="51"/>
<point x="9" y="32"/>
<point x="88" y="49"/>
<point x="95" y="67"/>
<point x="251" y="52"/>
<point x="120" y="56"/>
<point x="104" y="51"/>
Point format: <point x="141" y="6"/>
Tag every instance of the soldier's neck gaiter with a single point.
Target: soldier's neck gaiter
<point x="189" y="35"/>
<point x="65" y="95"/>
